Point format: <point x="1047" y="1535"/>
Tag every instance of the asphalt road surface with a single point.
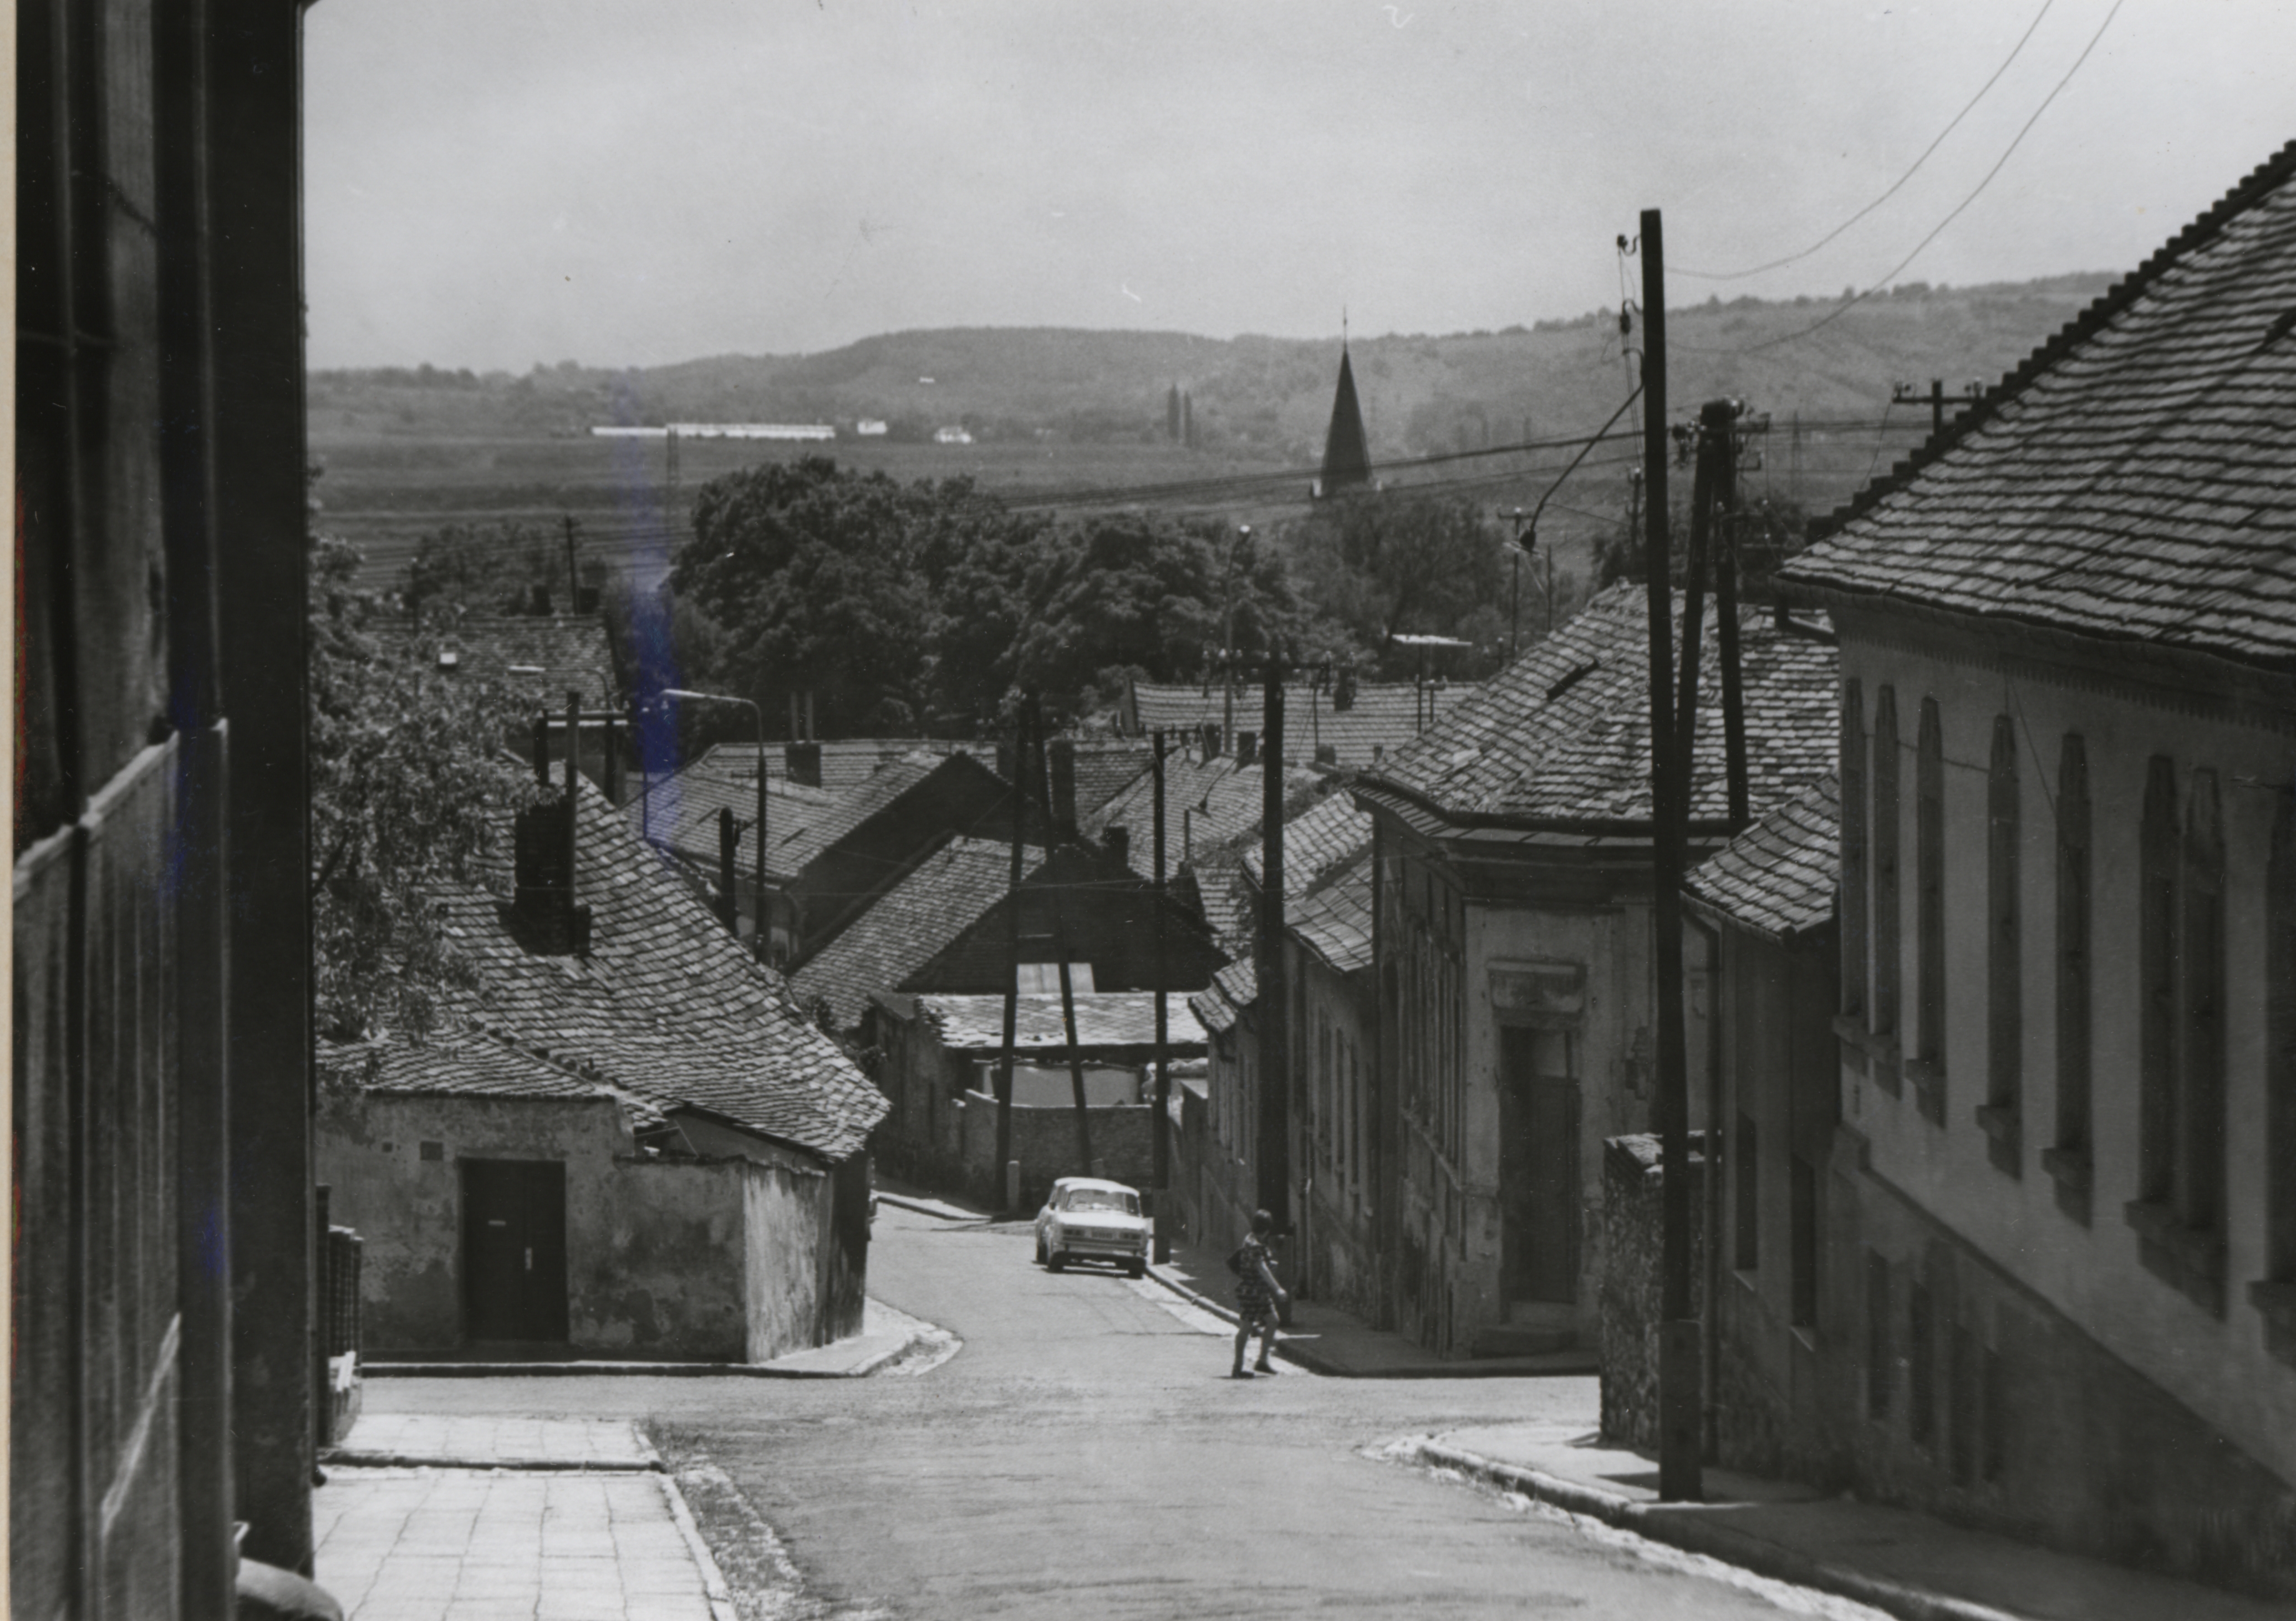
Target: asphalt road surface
<point x="1085" y="1457"/>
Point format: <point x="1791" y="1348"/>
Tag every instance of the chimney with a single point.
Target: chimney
<point x="729" y="901"/>
<point x="1212" y="741"/>
<point x="1328" y="753"/>
<point x="1119" y="841"/>
<point x="1247" y="748"/>
<point x="1061" y="756"/>
<point x="803" y="762"/>
<point x="541" y="846"/>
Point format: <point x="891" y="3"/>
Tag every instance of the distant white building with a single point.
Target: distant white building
<point x="870" y="428"/>
<point x="951" y="436"/>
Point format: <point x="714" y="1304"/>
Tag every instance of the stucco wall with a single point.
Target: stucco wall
<point x="654" y="1248"/>
<point x="2091" y="1272"/>
<point x="1335" y="1195"/>
<point x="1045" y="1143"/>
<point x="785" y="1220"/>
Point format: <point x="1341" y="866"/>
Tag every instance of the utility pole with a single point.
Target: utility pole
<point x="1228" y="638"/>
<point x="1274" y="1168"/>
<point x="1724" y="497"/>
<point x="1162" y="1128"/>
<point x="1069" y="1027"/>
<point x="1906" y="394"/>
<point x="1012" y="949"/>
<point x="573" y="579"/>
<point x="1679" y="1473"/>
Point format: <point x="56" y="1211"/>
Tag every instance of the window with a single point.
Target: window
<point x="2200" y="1132"/>
<point x="1855" y="967"/>
<point x="2179" y="1213"/>
<point x="1888" y="984"/>
<point x="1920" y="1406"/>
<point x="1961" y="1402"/>
<point x="1878" y="1370"/>
<point x="1745" y="1171"/>
<point x="1997" y="1415"/>
<point x="1929" y="914"/>
<point x="2156" y="952"/>
<point x="2005" y="960"/>
<point x="1804" y="1192"/>
<point x="1044" y="978"/>
<point x="2279" y="1049"/>
<point x="2069" y="1161"/>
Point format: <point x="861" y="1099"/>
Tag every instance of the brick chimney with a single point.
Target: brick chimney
<point x="803" y="763"/>
<point x="542" y="852"/>
<point x="1247" y="748"/>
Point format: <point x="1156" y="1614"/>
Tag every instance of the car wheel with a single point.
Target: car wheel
<point x="1056" y="1260"/>
<point x="1136" y="1269"/>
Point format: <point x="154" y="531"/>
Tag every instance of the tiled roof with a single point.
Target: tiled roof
<point x="1384" y="717"/>
<point x="1777" y="877"/>
<point x="472" y="1066"/>
<point x="2132" y="479"/>
<point x="1563" y="734"/>
<point x="1104" y="1019"/>
<point x="666" y="1005"/>
<point x="681" y="812"/>
<point x="1104" y="769"/>
<point x="571" y="649"/>
<point x="1208" y="805"/>
<point x="1232" y="989"/>
<point x="846" y="762"/>
<point x="902" y="929"/>
<point x="1230" y="904"/>
<point x="1316" y="840"/>
<point x="1335" y="921"/>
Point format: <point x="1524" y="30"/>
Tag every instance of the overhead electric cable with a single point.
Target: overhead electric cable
<point x="1734" y="275"/>
<point x="1846" y="305"/>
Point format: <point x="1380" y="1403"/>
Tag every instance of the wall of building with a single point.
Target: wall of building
<point x="1333" y="1158"/>
<point x="2091" y="1271"/>
<point x="1045" y="1143"/>
<point x="1629" y="1291"/>
<point x="654" y="1248"/>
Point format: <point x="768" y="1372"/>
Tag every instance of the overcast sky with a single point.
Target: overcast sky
<point x="498" y="183"/>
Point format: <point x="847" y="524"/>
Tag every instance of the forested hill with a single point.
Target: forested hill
<point x="1256" y="397"/>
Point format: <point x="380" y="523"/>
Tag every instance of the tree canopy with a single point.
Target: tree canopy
<point x="409" y="784"/>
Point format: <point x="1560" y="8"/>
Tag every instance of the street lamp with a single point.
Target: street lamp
<point x="689" y="697"/>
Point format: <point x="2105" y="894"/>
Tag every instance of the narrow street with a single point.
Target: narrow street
<point x="1085" y="1455"/>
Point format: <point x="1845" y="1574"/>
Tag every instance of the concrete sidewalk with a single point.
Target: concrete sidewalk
<point x="1898" y="1561"/>
<point x="886" y="1335"/>
<point x="569" y="1520"/>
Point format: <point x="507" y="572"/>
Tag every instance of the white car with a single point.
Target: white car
<point x="1088" y="1219"/>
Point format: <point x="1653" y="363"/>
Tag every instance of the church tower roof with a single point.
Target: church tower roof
<point x="1346" y="453"/>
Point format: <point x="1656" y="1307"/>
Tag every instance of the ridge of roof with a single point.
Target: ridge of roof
<point x="2196" y="232"/>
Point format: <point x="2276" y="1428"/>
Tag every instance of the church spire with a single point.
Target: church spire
<point x="1346" y="453"/>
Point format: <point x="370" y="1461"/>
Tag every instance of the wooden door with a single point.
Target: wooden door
<point x="514" y="1249"/>
<point x="1538" y="1165"/>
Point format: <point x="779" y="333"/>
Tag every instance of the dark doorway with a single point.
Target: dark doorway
<point x="1538" y="1165"/>
<point x="514" y="1249"/>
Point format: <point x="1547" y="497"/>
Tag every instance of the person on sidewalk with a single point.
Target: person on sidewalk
<point x="1257" y="1292"/>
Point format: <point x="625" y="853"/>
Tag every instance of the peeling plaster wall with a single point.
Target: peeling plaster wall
<point x="786" y="1215"/>
<point x="654" y="1248"/>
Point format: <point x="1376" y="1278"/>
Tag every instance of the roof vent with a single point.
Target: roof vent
<point x="1573" y="679"/>
<point x="449" y="659"/>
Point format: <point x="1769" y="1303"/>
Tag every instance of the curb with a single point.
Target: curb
<point x="354" y="1459"/>
<point x="1694" y="1535"/>
<point x="937" y="1208"/>
<point x="621" y="1370"/>
<point x="713" y="1580"/>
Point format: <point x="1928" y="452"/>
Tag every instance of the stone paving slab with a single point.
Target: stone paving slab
<point x="451" y="1544"/>
<point x="485" y="1441"/>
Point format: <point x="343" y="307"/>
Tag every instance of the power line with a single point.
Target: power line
<point x="1843" y="308"/>
<point x="1734" y="275"/>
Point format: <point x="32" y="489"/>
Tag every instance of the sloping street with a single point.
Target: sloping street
<point x="1086" y="1454"/>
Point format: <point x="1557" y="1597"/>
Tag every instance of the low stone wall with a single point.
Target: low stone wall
<point x="1633" y="1207"/>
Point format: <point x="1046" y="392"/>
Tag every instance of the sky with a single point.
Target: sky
<point x="502" y="183"/>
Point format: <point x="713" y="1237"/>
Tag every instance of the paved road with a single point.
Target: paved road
<point x="1085" y="1457"/>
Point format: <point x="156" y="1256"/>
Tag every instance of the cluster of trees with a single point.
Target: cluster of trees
<point x="904" y="608"/>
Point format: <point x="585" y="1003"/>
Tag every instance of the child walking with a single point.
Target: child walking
<point x="1257" y="1292"/>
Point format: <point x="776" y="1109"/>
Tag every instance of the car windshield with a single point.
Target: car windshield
<point x="1103" y="1198"/>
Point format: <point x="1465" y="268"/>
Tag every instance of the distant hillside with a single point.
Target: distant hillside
<point x="1256" y="399"/>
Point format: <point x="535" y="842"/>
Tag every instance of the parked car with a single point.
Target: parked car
<point x="1089" y="1219"/>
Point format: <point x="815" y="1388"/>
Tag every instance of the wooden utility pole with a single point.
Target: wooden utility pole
<point x="729" y="903"/>
<point x="1069" y="1028"/>
<point x="1012" y="940"/>
<point x="1160" y="1127"/>
<point x="1275" y="1145"/>
<point x="1724" y="500"/>
<point x="573" y="579"/>
<point x="1679" y="1478"/>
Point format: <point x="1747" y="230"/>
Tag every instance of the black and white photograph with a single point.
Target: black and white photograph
<point x="904" y="810"/>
